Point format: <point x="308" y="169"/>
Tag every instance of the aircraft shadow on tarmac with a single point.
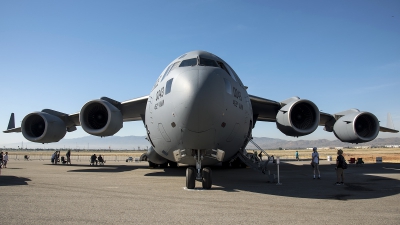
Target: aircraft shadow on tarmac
<point x="13" y="181"/>
<point x="106" y="168"/>
<point x="366" y="182"/>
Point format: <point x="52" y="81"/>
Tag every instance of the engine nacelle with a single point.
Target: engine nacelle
<point x="43" y="127"/>
<point x="298" y="118"/>
<point x="356" y="127"/>
<point x="101" y="118"/>
<point x="154" y="157"/>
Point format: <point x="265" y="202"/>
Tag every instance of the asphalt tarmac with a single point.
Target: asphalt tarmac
<point x="36" y="192"/>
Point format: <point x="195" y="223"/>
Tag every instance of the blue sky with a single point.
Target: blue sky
<point x="61" y="54"/>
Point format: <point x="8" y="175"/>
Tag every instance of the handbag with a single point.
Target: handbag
<point x="344" y="164"/>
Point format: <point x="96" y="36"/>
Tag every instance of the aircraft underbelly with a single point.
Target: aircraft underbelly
<point x="198" y="140"/>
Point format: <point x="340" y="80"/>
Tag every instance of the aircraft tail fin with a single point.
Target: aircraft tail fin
<point x="11" y="123"/>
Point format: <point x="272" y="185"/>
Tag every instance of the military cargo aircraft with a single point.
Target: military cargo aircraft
<point x="198" y="113"/>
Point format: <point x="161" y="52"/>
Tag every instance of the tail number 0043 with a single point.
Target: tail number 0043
<point x="237" y="94"/>
<point x="160" y="93"/>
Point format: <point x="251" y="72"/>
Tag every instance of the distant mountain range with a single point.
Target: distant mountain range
<point x="139" y="142"/>
<point x="273" y="143"/>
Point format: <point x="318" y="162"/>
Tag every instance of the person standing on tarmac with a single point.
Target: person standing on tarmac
<point x="68" y="157"/>
<point x="315" y="162"/>
<point x="339" y="168"/>
<point x="1" y="159"/>
<point x="5" y="160"/>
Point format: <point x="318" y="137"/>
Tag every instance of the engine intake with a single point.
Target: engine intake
<point x="298" y="118"/>
<point x="357" y="127"/>
<point x="100" y="118"/>
<point x="42" y="127"/>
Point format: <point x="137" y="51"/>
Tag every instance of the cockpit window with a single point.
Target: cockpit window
<point x="168" y="86"/>
<point x="234" y="75"/>
<point x="222" y="65"/>
<point x="171" y="67"/>
<point x="207" y="62"/>
<point x="188" y="62"/>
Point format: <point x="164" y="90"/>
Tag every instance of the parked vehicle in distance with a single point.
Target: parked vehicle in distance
<point x="129" y="159"/>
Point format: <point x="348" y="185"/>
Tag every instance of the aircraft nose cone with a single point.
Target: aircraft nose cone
<point x="201" y="99"/>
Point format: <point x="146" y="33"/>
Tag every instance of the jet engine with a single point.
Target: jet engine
<point x="356" y="127"/>
<point x="101" y="118"/>
<point x="43" y="127"/>
<point x="154" y="157"/>
<point x="297" y="117"/>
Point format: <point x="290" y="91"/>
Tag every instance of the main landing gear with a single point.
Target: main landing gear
<point x="204" y="175"/>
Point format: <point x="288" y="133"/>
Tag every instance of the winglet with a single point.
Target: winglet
<point x="390" y="122"/>
<point x="390" y="127"/>
<point x="11" y="124"/>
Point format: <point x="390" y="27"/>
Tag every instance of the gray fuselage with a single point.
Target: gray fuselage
<point x="198" y="105"/>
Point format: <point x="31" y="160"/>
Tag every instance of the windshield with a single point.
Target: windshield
<point x="188" y="62"/>
<point x="207" y="62"/>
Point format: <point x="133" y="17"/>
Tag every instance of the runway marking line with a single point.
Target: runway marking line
<point x="195" y="189"/>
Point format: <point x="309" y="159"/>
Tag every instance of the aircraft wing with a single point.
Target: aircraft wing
<point x="266" y="110"/>
<point x="385" y="129"/>
<point x="132" y="110"/>
<point x="13" y="130"/>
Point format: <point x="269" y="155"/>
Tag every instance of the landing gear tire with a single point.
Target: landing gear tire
<point x="152" y="165"/>
<point x="190" y="178"/>
<point x="225" y="164"/>
<point x="173" y="164"/>
<point x="236" y="163"/>
<point x="164" y="165"/>
<point x="207" y="178"/>
<point x="143" y="157"/>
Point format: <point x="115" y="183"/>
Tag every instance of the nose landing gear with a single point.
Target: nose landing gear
<point x="204" y="175"/>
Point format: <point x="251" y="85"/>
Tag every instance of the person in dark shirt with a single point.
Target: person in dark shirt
<point x="100" y="159"/>
<point x="93" y="159"/>
<point x="339" y="168"/>
<point x="68" y="156"/>
<point x="1" y="159"/>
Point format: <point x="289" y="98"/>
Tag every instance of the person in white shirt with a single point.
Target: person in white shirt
<point x="315" y="162"/>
